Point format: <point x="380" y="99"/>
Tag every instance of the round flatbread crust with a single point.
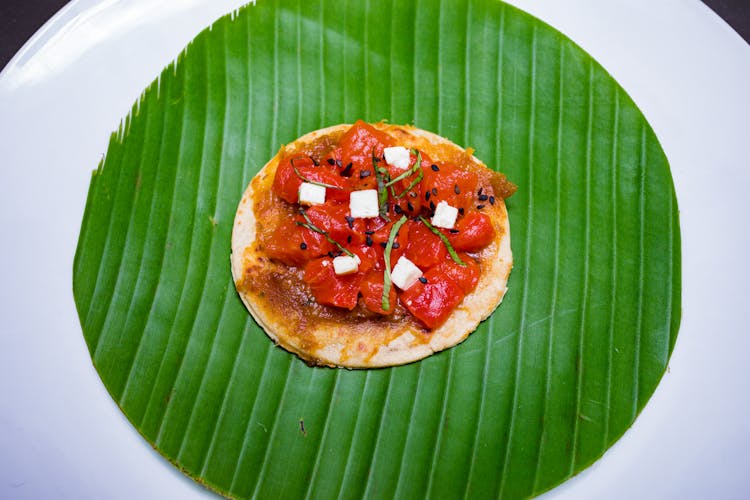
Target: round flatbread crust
<point x="341" y="345"/>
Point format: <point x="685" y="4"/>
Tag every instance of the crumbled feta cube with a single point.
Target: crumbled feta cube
<point x="364" y="203"/>
<point x="311" y="194"/>
<point x="344" y="264"/>
<point x="445" y="216"/>
<point x="398" y="156"/>
<point x="405" y="273"/>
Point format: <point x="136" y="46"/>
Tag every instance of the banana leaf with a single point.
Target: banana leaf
<point x="550" y="381"/>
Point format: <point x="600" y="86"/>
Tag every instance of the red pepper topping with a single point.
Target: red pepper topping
<point x="321" y="232"/>
<point x="475" y="232"/>
<point x="432" y="302"/>
<point x="330" y="289"/>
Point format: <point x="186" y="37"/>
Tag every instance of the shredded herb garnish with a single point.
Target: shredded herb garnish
<point x="413" y="183"/>
<point x="411" y="171"/>
<point x="385" y="303"/>
<point x="416" y="168"/>
<point x="312" y="227"/>
<point x="447" y="243"/>
<point x="321" y="184"/>
<point x="380" y="175"/>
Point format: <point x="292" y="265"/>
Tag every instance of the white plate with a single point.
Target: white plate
<point x="62" y="436"/>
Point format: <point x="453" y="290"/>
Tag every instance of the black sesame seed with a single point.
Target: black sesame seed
<point x="492" y="200"/>
<point x="427" y="196"/>
<point x="453" y="231"/>
<point x="315" y="162"/>
<point x="331" y="161"/>
<point x="435" y="168"/>
<point x="303" y="246"/>
<point x="422" y="279"/>
<point x="395" y="244"/>
<point x="349" y="239"/>
<point x="383" y="244"/>
<point x="331" y="254"/>
<point x="410" y="207"/>
<point x="461" y="210"/>
<point x="349" y="221"/>
<point x="456" y="189"/>
<point x="397" y="209"/>
<point x="483" y="197"/>
<point x="480" y="191"/>
<point x="368" y="241"/>
<point x="480" y="207"/>
<point x="347" y="172"/>
<point x="432" y="206"/>
<point x="413" y="194"/>
<point x="369" y="232"/>
<point x="434" y="191"/>
<point x="364" y="173"/>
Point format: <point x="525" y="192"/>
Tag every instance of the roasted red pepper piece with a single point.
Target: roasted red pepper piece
<point x="425" y="248"/>
<point x="466" y="276"/>
<point x="400" y="243"/>
<point x="358" y="145"/>
<point x="372" y="293"/>
<point x="432" y="299"/>
<point x="334" y="219"/>
<point x="330" y="289"/>
<point x="368" y="257"/>
<point x="283" y="244"/>
<point x="294" y="245"/>
<point x="473" y="232"/>
<point x="286" y="182"/>
<point x="448" y="183"/>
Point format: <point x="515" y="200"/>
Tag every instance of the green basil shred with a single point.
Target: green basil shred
<point x="321" y="184"/>
<point x="416" y="168"/>
<point x="380" y="175"/>
<point x="312" y="227"/>
<point x="385" y="303"/>
<point x="448" y="245"/>
<point x="411" y="171"/>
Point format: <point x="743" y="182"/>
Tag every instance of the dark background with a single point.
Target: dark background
<point x="19" y="19"/>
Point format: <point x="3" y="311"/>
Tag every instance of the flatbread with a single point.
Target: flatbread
<point x="338" y="341"/>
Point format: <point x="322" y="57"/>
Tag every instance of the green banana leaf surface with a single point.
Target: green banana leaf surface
<point x="551" y="380"/>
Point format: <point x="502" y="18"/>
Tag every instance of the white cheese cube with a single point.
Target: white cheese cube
<point x="311" y="194"/>
<point x="398" y="156"/>
<point x="445" y="216"/>
<point x="405" y="273"/>
<point x="364" y="203"/>
<point x="344" y="264"/>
